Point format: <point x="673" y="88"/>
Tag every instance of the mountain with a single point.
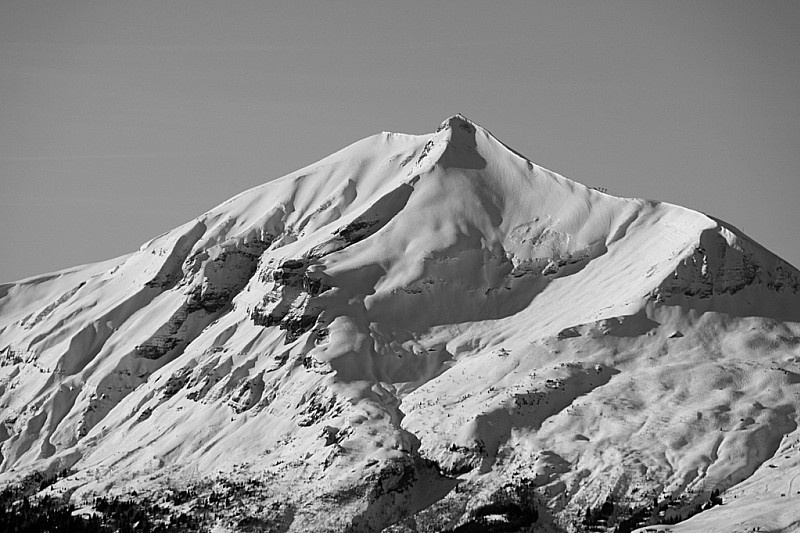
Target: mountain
<point x="417" y="333"/>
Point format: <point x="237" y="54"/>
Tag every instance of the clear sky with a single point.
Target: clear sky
<point x="120" y="120"/>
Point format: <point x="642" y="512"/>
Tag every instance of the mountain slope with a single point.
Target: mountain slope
<point x="414" y="328"/>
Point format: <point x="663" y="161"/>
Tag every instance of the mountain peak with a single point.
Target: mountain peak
<point x="458" y="121"/>
<point x="466" y="143"/>
<point x="453" y="144"/>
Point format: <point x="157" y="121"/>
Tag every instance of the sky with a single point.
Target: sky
<point x="122" y="120"/>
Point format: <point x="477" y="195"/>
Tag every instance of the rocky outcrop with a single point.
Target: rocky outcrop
<point x="217" y="280"/>
<point x="289" y="300"/>
<point x="725" y="264"/>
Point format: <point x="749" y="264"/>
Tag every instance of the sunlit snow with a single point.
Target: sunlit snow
<point x="397" y="334"/>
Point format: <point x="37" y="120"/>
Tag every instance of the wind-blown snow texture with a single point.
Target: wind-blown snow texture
<point x="419" y="332"/>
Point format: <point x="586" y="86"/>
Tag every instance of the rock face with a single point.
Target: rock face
<point x="418" y="333"/>
<point x="290" y="303"/>
<point x="724" y="263"/>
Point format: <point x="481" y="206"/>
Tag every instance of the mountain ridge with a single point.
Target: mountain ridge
<point x="409" y="314"/>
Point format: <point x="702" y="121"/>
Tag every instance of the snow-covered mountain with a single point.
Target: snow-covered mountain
<point x="418" y="333"/>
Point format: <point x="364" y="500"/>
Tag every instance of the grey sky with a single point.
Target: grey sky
<point x="121" y="120"/>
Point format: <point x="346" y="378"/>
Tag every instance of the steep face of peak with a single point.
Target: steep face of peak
<point x="411" y="314"/>
<point x="727" y="272"/>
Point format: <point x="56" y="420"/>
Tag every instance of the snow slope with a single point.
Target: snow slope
<point x="408" y="332"/>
